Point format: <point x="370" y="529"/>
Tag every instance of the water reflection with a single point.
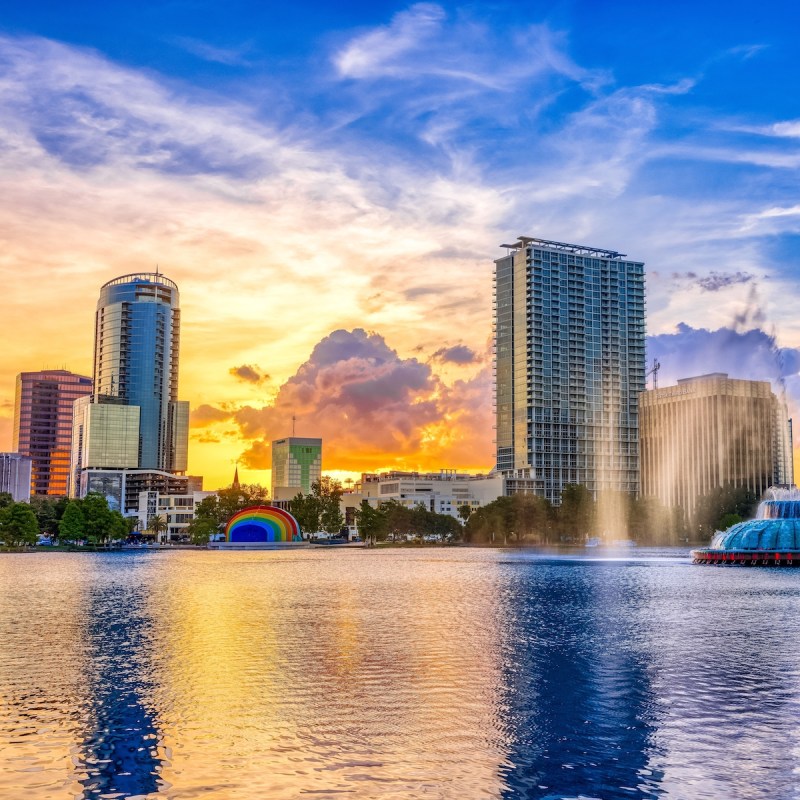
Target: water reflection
<point x="581" y="714"/>
<point x="120" y="754"/>
<point x="400" y="674"/>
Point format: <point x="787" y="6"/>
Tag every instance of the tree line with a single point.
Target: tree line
<point x="66" y="521"/>
<point x="516" y="519"/>
<point x="524" y="518"/>
<point x="392" y="521"/>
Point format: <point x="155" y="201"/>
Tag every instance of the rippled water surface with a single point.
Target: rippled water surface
<point x="396" y="674"/>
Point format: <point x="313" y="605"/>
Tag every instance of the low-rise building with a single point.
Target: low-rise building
<point x="177" y="511"/>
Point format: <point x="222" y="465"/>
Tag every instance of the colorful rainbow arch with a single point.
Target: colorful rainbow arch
<point x="262" y="524"/>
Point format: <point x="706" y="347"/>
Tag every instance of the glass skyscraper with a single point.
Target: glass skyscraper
<point x="43" y="425"/>
<point x="569" y="367"/>
<point x="137" y="338"/>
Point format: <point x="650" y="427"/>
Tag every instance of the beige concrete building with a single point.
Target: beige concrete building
<point x="712" y="431"/>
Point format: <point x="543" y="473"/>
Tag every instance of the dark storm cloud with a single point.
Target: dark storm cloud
<point x="714" y="281"/>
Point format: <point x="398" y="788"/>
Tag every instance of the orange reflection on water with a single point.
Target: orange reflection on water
<point x="357" y="672"/>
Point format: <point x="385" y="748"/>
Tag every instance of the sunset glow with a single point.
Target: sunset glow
<point x="330" y="211"/>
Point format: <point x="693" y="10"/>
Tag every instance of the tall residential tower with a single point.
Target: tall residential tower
<point x="570" y="364"/>
<point x="136" y="349"/>
<point x="133" y="431"/>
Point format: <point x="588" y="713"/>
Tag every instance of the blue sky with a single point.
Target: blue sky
<point x="369" y="158"/>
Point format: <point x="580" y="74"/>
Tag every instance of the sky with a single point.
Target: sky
<point x="328" y="184"/>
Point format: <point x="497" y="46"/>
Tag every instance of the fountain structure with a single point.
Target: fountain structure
<point x="771" y="539"/>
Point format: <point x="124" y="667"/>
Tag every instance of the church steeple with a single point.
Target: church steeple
<point x="236" y="484"/>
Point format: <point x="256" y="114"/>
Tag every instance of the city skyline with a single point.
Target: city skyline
<point x="330" y="203"/>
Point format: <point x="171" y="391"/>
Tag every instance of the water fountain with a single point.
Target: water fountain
<point x="772" y="538"/>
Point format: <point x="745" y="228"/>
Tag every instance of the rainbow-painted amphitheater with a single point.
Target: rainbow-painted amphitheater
<point x="260" y="527"/>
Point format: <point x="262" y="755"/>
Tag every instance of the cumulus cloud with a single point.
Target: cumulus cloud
<point x="249" y="373"/>
<point x="373" y="408"/>
<point x="457" y="354"/>
<point x="750" y="354"/>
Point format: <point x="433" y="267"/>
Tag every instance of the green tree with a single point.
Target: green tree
<point x="401" y="521"/>
<point x="329" y="494"/>
<point x="714" y="506"/>
<point x="465" y="512"/>
<point x="72" y="523"/>
<point x="575" y="515"/>
<point x="492" y="522"/>
<point x="234" y="499"/>
<point x="532" y="516"/>
<point x="49" y="511"/>
<point x="305" y="508"/>
<point x="201" y="529"/>
<point x="118" y="528"/>
<point x="18" y="525"/>
<point x="97" y="516"/>
<point x="371" y="523"/>
<point x="6" y="499"/>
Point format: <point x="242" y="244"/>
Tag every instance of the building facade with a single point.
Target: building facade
<point x="713" y="431"/>
<point x="15" y="476"/>
<point x="569" y="366"/>
<point x="133" y="424"/>
<point x="177" y="511"/>
<point x="136" y="359"/>
<point x="43" y="425"/>
<point x="296" y="464"/>
<point x="104" y="436"/>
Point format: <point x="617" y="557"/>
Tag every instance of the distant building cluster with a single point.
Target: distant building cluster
<point x="571" y="407"/>
<point x="124" y="431"/>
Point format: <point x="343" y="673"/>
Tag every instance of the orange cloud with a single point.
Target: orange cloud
<point x="373" y="409"/>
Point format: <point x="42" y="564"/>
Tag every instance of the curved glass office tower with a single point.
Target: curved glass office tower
<point x="137" y="336"/>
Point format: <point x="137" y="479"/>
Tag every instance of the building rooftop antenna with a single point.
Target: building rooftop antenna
<point x="294" y="419"/>
<point x="654" y="372"/>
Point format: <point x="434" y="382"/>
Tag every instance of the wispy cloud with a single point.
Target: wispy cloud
<point x="230" y="56"/>
<point x="377" y="208"/>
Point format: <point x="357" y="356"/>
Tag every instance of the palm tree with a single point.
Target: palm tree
<point x="157" y="524"/>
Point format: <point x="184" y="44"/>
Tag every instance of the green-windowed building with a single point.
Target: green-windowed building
<point x="296" y="464"/>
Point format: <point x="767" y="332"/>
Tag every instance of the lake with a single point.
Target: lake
<point x="394" y="673"/>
